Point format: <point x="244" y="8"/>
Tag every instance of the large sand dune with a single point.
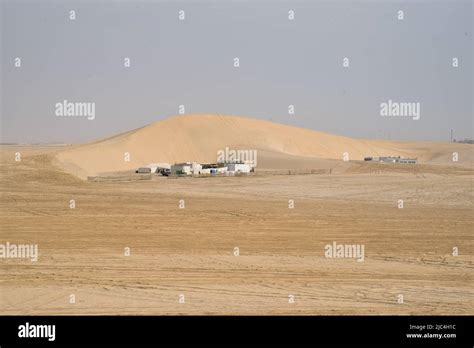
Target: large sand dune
<point x="199" y="137"/>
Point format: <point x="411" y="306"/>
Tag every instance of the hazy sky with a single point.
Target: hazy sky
<point x="282" y="62"/>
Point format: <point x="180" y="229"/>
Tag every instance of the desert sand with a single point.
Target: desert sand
<point x="190" y="251"/>
<point x="199" y="137"/>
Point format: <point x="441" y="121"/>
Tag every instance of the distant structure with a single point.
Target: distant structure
<point x="187" y="168"/>
<point x="214" y="168"/>
<point x="143" y="170"/>
<point x="391" y="159"/>
<point x="465" y="141"/>
<point x="196" y="169"/>
<point x="239" y="167"/>
<point x="153" y="168"/>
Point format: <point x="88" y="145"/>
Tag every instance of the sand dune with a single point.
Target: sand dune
<point x="199" y="137"/>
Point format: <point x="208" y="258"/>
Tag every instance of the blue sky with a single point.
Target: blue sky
<point x="282" y="62"/>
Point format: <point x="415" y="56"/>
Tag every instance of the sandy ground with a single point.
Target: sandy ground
<point x="190" y="251"/>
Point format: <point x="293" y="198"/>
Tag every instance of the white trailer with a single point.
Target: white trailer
<point x="181" y="168"/>
<point x="239" y="167"/>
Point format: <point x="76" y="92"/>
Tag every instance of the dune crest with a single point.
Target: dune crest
<point x="198" y="138"/>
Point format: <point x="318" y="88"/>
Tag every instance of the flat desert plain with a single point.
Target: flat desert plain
<point x="182" y="261"/>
